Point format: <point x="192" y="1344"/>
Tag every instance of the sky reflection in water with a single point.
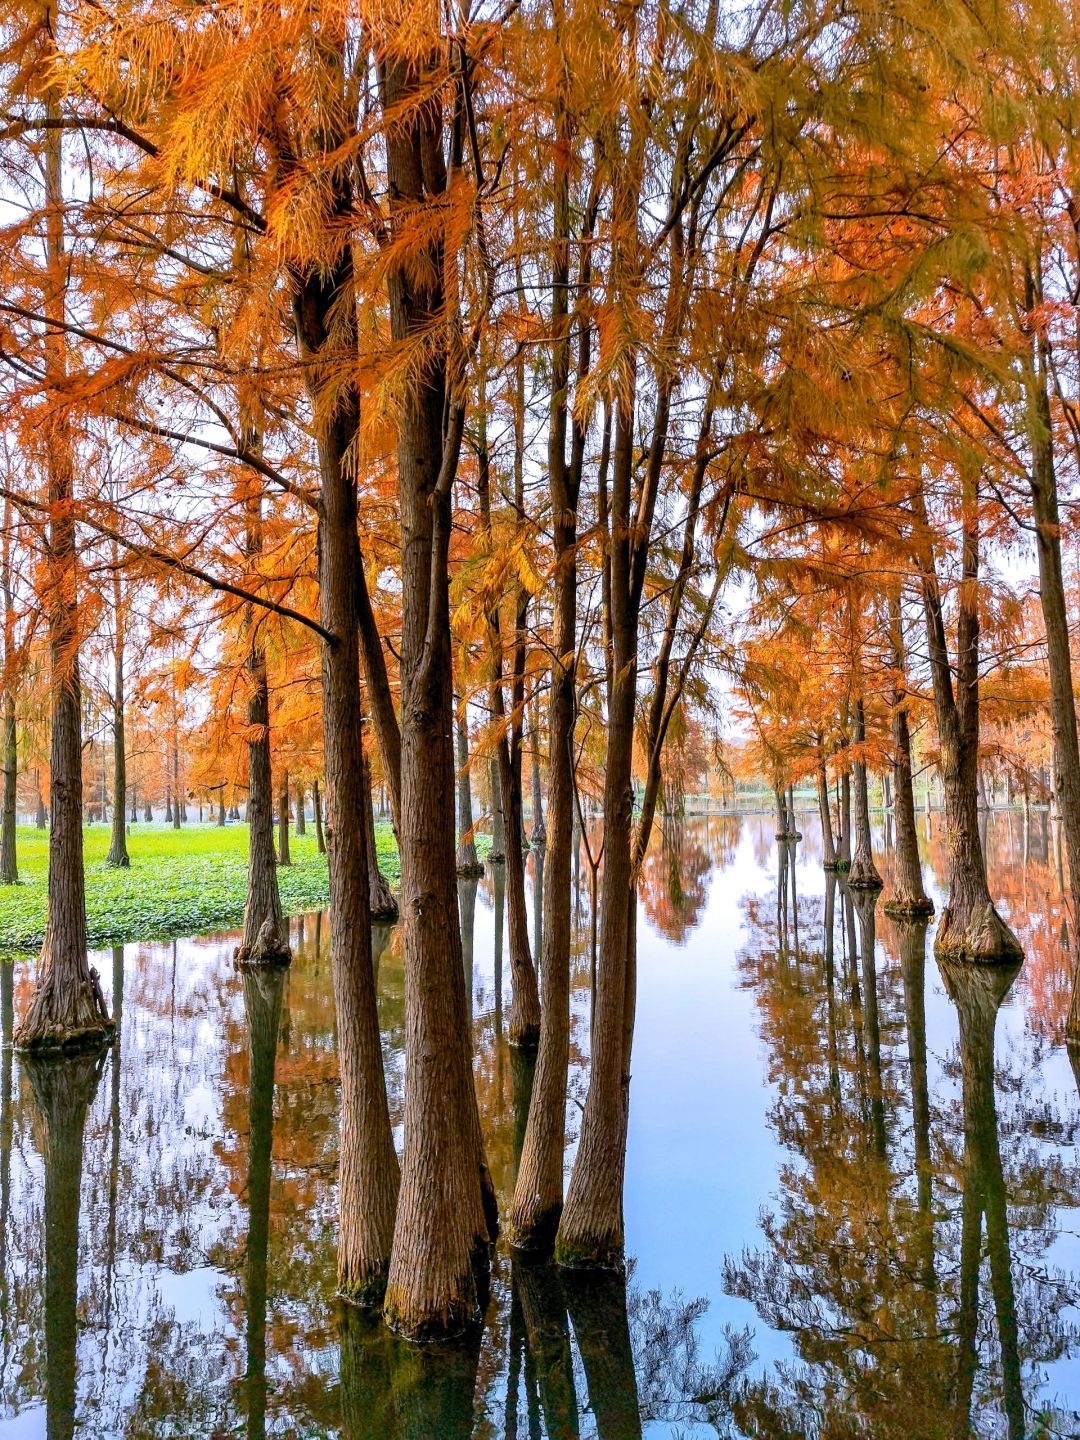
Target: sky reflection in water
<point x="852" y="1185"/>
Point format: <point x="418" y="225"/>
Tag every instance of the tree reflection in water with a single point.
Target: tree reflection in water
<point x="904" y="1323"/>
<point x="901" y="1283"/>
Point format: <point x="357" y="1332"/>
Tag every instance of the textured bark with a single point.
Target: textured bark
<point x="221" y="810"/>
<point x="283" y="855"/>
<point x="468" y="863"/>
<point x="591" y="1229"/>
<point x="862" y="872"/>
<point x="64" y="1089"/>
<point x="66" y="1009"/>
<point x="446" y="1214"/>
<point x="316" y="805"/>
<point x="368" y="1172"/>
<point x="497" y="853"/>
<point x="828" y="849"/>
<point x="41" y="819"/>
<point x="383" y="904"/>
<point x="262" y="1006"/>
<point x="977" y="993"/>
<point x="538" y="838"/>
<point x="266" y="935"/>
<point x="118" y="851"/>
<point x="301" y="801"/>
<point x="9" y="868"/>
<point x="970" y="926"/>
<point x="907" y="895"/>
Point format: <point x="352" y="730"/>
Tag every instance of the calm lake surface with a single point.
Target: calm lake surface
<point x="852" y="1198"/>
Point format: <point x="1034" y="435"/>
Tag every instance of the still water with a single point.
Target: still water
<point x="852" y="1199"/>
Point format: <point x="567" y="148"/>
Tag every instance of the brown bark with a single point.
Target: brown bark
<point x="66" y="1009"/>
<point x="266" y="936"/>
<point x="383" y="904"/>
<point x="538" y="1192"/>
<point x="446" y="1214"/>
<point x="301" y="822"/>
<point x="862" y="872"/>
<point x="970" y="926"/>
<point x="316" y="806"/>
<point x="368" y="1173"/>
<point x="118" y="852"/>
<point x="41" y="819"/>
<point x="9" y="868"/>
<point x="828" y="849"/>
<point x="283" y="856"/>
<point x="538" y="838"/>
<point x="468" y="863"/>
<point x="907" y="895"/>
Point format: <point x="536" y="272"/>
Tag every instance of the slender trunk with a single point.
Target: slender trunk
<point x="266" y="936"/>
<point x="41" y="819"/>
<point x="862" y="873"/>
<point x="539" y="830"/>
<point x="67" y="1008"/>
<point x="383" y="905"/>
<point x="118" y="852"/>
<point x="844" y="843"/>
<point x="148" y="813"/>
<point x="468" y="863"/>
<point x="301" y="801"/>
<point x="828" y="849"/>
<point x="538" y="1193"/>
<point x="908" y="896"/>
<point x="176" y="784"/>
<point x="221" y="809"/>
<point x="316" y="805"/>
<point x="497" y="853"/>
<point x="523" y="1027"/>
<point x="283" y="856"/>
<point x="368" y="1173"/>
<point x="446" y="1214"/>
<point x="9" y="868"/>
<point x="168" y="806"/>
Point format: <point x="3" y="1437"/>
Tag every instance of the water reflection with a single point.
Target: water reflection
<point x="866" y="1167"/>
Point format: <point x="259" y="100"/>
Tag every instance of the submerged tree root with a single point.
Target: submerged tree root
<point x="909" y="907"/>
<point x="65" y="1023"/>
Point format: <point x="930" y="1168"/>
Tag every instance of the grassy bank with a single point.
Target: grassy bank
<point x="181" y="882"/>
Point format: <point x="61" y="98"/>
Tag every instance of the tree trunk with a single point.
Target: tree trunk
<point x="283" y="856"/>
<point x="970" y="926"/>
<point x="176" y="786"/>
<point x="497" y="853"/>
<point x="148" y="813"/>
<point x="908" y="896"/>
<point x="316" y="805"/>
<point x="9" y="868"/>
<point x="383" y="905"/>
<point x="266" y="935"/>
<point x="118" y="851"/>
<point x="828" y="849"/>
<point x="591" y="1230"/>
<point x="41" y="819"/>
<point x="862" y="873"/>
<point x="368" y="1173"/>
<point x="446" y="1214"/>
<point x="221" y="809"/>
<point x="301" y="822"/>
<point x="539" y="829"/>
<point x="66" y="1009"/>
<point x="168" y="806"/>
<point x="538" y="1192"/>
<point x="468" y="863"/>
<point x="843" y="857"/>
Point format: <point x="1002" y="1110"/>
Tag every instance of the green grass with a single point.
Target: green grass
<point x="181" y="882"/>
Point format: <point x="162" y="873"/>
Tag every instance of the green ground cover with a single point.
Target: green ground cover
<point x="181" y="882"/>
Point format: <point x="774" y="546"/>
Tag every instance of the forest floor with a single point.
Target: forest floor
<point x="181" y="882"/>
